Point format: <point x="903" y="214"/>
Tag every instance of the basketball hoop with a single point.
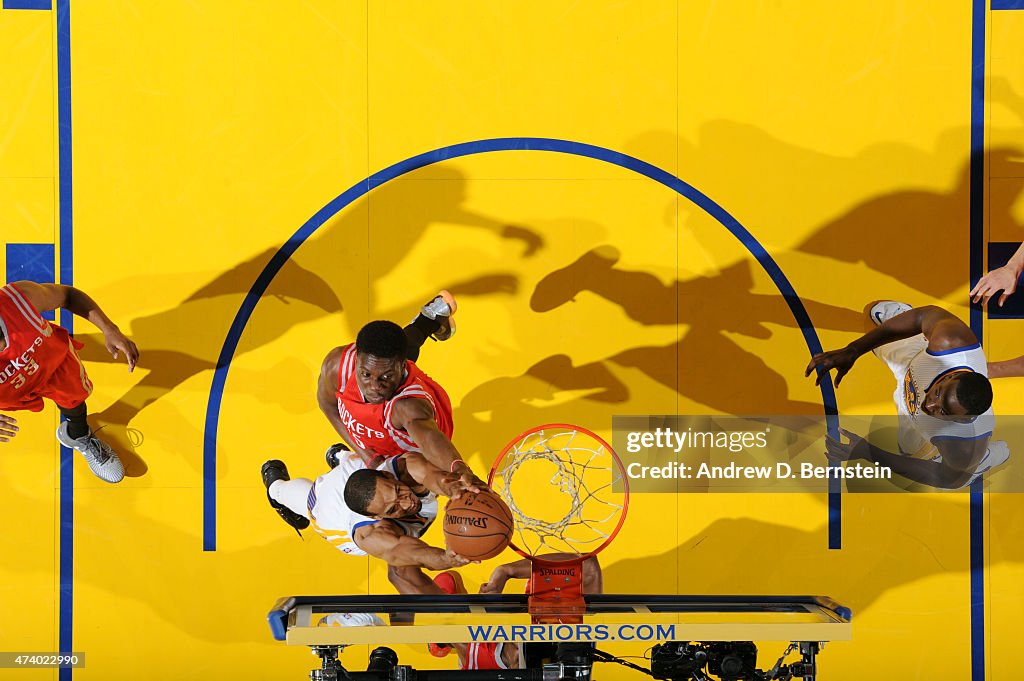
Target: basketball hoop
<point x="582" y="509"/>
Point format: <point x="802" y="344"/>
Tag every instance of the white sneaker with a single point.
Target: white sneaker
<point x="102" y="460"/>
<point x="883" y="311"/>
<point x="352" y="619"/>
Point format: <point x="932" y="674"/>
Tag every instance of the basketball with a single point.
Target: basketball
<point x="477" y="526"/>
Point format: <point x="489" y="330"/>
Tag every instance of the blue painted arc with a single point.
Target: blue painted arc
<point x="466" y="149"/>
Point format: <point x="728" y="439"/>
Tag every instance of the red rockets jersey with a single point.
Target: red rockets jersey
<point x="35" y="350"/>
<point x="369" y="425"/>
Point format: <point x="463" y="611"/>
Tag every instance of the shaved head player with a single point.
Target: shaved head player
<point x="381" y="512"/>
<point x="942" y="395"/>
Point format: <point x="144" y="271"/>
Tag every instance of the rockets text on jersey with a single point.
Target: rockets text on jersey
<point x="360" y="432"/>
<point x="22" y="366"/>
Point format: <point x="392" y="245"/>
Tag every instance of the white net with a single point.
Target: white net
<point x="565" y="489"/>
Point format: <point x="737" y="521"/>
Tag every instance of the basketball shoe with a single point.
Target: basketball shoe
<point x="351" y="619"/>
<point x="102" y="460"/>
<point x="442" y="310"/>
<point x="272" y="471"/>
<point x="334" y="454"/>
<point x="884" y="310"/>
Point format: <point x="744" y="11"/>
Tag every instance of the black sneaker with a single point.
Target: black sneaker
<point x="334" y="454"/>
<point x="273" y="471"/>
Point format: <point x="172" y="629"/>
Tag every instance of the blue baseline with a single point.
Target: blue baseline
<point x="31" y="262"/>
<point x="28" y="4"/>
<point x="465" y="149"/>
<point x="1007" y="4"/>
<point x="977" y="263"/>
<point x="67" y="471"/>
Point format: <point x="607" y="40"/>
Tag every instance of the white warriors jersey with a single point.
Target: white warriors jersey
<point x="337" y="523"/>
<point x="916" y="369"/>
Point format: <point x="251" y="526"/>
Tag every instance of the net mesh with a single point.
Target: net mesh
<point x="565" y="480"/>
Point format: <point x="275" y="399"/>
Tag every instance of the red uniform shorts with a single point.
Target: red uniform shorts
<point x="68" y="386"/>
<point x="484" y="656"/>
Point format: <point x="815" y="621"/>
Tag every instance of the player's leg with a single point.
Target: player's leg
<point x="483" y="655"/>
<point x="488" y="655"/>
<point x="436" y="319"/>
<point x="74" y="432"/>
<point x="449" y="582"/>
<point x="75" y="424"/>
<point x="334" y="454"/>
<point x="288" y="497"/>
<point x="68" y="387"/>
<point x="896" y="355"/>
<point x="413" y="581"/>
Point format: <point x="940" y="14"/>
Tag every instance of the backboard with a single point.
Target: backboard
<point x="608" y="618"/>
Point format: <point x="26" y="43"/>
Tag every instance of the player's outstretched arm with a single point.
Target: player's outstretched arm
<point x="1008" y="368"/>
<point x="593" y="582"/>
<point x="416" y="417"/>
<point x="1000" y="279"/>
<point x="943" y="330"/>
<point x="439" y="482"/>
<point x="960" y="458"/>
<point x="45" y="297"/>
<point x="495" y="584"/>
<point x="326" y="399"/>
<point x="385" y="540"/>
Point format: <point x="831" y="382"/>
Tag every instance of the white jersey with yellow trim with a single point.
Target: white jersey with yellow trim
<point x="916" y="368"/>
<point x="330" y="516"/>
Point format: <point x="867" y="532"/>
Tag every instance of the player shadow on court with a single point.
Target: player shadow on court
<point x="160" y="573"/>
<point x="906" y="223"/>
<point x="712" y="307"/>
<point x="905" y="230"/>
<point x="184" y="341"/>
<point x="892" y="233"/>
<point x="882" y="550"/>
<point x="602" y="387"/>
<point x="878" y="232"/>
<point x="297" y="296"/>
<point x="897" y="232"/>
<point x="389" y="234"/>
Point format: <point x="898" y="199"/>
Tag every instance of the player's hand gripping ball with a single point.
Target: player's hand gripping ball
<point x="477" y="526"/>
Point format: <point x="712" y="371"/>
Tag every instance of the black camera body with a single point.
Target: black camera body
<point x="735" y="661"/>
<point x="729" y="661"/>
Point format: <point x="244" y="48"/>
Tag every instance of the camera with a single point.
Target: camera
<point x="729" y="661"/>
<point x="382" y="659"/>
<point x="676" y="661"/>
<point x="733" y="661"/>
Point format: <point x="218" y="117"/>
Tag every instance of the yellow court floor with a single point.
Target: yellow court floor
<point x="241" y="184"/>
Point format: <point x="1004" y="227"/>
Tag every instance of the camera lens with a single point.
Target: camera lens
<point x="732" y="667"/>
<point x="382" y="660"/>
